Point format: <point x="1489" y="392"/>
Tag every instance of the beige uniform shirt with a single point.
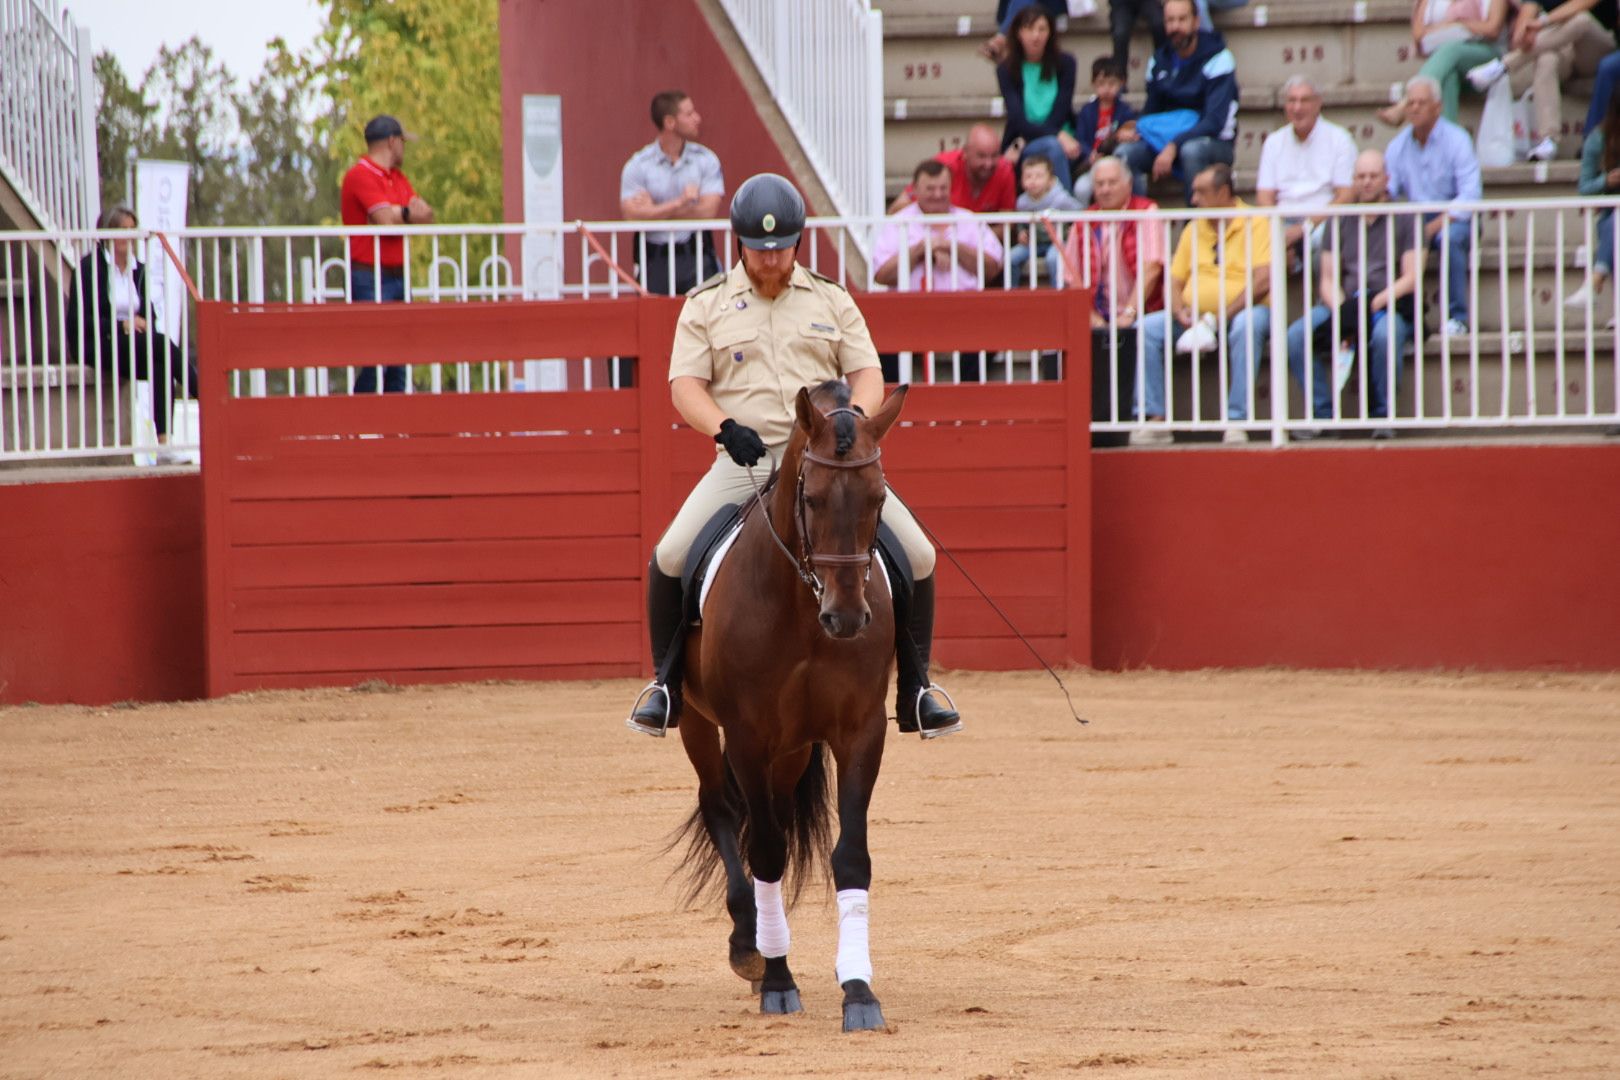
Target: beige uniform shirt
<point x="756" y="354"/>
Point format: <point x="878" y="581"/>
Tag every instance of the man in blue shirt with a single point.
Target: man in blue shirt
<point x="1432" y="160"/>
<point x="673" y="178"/>
<point x="1194" y="75"/>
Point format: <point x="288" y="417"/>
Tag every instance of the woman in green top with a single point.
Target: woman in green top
<point x="1037" y="85"/>
<point x="1600" y="175"/>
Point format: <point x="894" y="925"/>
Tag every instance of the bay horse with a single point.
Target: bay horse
<point x="792" y="660"/>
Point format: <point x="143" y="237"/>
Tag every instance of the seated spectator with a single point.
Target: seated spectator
<point x="1307" y="163"/>
<point x="1456" y="36"/>
<point x="1600" y="175"/>
<point x="1219" y="278"/>
<point x="1037" y="88"/>
<point x="939" y="256"/>
<point x="1603" y="89"/>
<point x="1098" y="124"/>
<point x="1041" y="194"/>
<point x="982" y="178"/>
<point x="1363" y="245"/>
<point x="673" y="178"/>
<point x="1123" y="15"/>
<point x="1568" y="40"/>
<point x="995" y="47"/>
<point x="1190" y="119"/>
<point x="108" y="312"/>
<point x="1432" y="160"/>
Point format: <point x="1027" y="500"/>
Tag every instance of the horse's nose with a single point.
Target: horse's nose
<point x="840" y="625"/>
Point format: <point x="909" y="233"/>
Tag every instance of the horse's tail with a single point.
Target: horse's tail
<point x="809" y="834"/>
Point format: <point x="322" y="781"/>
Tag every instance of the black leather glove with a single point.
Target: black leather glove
<point x="742" y="443"/>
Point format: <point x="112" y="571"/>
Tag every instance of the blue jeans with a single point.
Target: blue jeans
<point x="1018" y="258"/>
<point x="1194" y="157"/>
<point x="1608" y="78"/>
<point x="1048" y="147"/>
<point x="1454" y="237"/>
<point x="363" y="289"/>
<point x="1604" y="259"/>
<point x="1377" y="359"/>
<point x="1240" y="362"/>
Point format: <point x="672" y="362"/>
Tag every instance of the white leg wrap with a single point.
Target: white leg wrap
<point x="771" y="935"/>
<point x="854" y="950"/>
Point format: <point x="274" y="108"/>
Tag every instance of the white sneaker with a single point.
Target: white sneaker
<point x="1200" y="337"/>
<point x="1454" y="328"/>
<point x="1545" y="150"/>
<point x="1482" y="77"/>
<point x="1154" y="436"/>
<point x="1234" y="435"/>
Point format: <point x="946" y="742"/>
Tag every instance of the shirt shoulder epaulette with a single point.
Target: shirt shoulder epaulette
<point x="819" y="276"/>
<point x="705" y="286"/>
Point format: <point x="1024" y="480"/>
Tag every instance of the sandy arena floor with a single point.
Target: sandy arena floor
<point x="1225" y="874"/>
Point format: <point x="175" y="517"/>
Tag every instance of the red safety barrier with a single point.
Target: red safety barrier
<point x="490" y="535"/>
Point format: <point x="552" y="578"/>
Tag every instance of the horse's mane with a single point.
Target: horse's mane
<point x="843" y="423"/>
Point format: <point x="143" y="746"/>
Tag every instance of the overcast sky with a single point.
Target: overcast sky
<point x="236" y="29"/>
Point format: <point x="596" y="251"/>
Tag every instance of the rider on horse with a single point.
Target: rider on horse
<point x="747" y="341"/>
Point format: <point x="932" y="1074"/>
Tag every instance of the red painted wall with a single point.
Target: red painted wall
<point x="101" y="591"/>
<point x="1398" y="557"/>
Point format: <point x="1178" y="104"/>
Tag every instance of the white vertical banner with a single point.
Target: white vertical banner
<point x="542" y="205"/>
<point x="160" y="203"/>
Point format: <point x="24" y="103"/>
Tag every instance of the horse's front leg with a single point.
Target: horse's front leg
<point x="852" y="875"/>
<point x="767" y="859"/>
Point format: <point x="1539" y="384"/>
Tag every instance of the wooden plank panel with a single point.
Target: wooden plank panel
<point x="1034" y="616"/>
<point x="998" y="319"/>
<point x="1002" y="573"/>
<point x="470" y="604"/>
<point x="975" y="446"/>
<point x="291" y="521"/>
<point x="253" y="419"/>
<point x="1024" y="401"/>
<point x="296" y="651"/>
<point x="437" y="562"/>
<point x="399" y="450"/>
<point x="1006" y="654"/>
<point x="994" y="529"/>
<point x="504" y="474"/>
<point x="438" y="676"/>
<point x="935" y="487"/>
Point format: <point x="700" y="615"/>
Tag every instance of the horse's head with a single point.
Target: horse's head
<point x="840" y="494"/>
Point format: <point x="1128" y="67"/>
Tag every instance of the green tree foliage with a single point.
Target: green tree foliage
<point x="122" y="116"/>
<point x="288" y="176"/>
<point x="194" y="98"/>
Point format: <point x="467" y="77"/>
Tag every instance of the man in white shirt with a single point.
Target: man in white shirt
<point x="1308" y="163"/>
<point x="673" y="178"/>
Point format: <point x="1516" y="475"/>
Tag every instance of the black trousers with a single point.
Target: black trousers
<point x="175" y="377"/>
<point x="1122" y="18"/>
<point x="690" y="271"/>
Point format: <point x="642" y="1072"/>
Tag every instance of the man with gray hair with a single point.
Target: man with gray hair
<point x="1306" y="163"/>
<point x="1432" y="160"/>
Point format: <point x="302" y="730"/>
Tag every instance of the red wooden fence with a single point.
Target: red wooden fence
<point x="467" y="536"/>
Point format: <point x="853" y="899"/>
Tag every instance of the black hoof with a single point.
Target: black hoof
<point x="861" y="1009"/>
<point x="748" y="964"/>
<point x="780" y="1002"/>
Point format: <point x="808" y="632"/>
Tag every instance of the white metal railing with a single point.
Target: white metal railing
<point x="48" y="115"/>
<point x="1528" y="360"/>
<point x="823" y="63"/>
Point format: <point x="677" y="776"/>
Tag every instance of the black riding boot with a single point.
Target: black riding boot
<point x="659" y="706"/>
<point x="916" y="707"/>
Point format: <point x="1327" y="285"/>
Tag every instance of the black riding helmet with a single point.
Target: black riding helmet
<point x="767" y="213"/>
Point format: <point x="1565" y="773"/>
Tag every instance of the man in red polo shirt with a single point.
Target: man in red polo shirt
<point x="982" y="178"/>
<point x="375" y="192"/>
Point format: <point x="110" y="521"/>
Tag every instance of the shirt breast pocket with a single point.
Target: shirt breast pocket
<point x="824" y="338"/>
<point x="736" y="350"/>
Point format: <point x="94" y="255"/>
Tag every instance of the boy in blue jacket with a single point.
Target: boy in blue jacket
<point x="1192" y="80"/>
<point x="1099" y="123"/>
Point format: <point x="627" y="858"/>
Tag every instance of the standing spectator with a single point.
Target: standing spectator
<point x="1600" y="175"/>
<point x="107" y="310"/>
<point x="1569" y="39"/>
<point x="1432" y="160"/>
<point x="1101" y="122"/>
<point x="1603" y="89"/>
<point x="1307" y="163"/>
<point x="1456" y="36"/>
<point x="673" y="178"/>
<point x="1042" y="194"/>
<point x="1123" y="15"/>
<point x="1190" y="119"/>
<point x="982" y="178"/>
<point x="914" y="256"/>
<point x="1383" y="300"/>
<point x="1221" y="273"/>
<point x="376" y="192"/>
<point x="1037" y="88"/>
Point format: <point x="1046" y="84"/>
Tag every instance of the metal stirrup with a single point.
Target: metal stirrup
<point x="948" y="729"/>
<point x="656" y="732"/>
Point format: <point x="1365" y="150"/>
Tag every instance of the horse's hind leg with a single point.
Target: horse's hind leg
<point x="720" y="805"/>
<point x="858" y="763"/>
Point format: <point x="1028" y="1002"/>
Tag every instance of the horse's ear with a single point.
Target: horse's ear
<point x="806" y="413"/>
<point x="889" y="411"/>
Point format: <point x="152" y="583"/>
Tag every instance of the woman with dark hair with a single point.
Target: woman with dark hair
<point x="1037" y="86"/>
<point x="1600" y="175"/>
<point x="107" y="321"/>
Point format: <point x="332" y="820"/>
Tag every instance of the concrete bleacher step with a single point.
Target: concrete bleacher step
<point x="57" y="406"/>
